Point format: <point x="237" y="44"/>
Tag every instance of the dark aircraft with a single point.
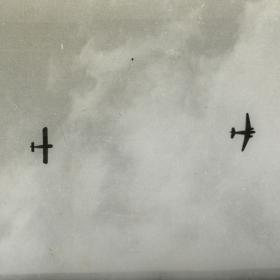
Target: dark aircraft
<point x="46" y="146"/>
<point x="247" y="132"/>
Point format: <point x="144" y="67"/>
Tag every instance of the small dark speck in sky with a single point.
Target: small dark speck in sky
<point x="132" y="59"/>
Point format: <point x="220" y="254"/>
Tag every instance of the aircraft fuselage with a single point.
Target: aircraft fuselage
<point x="44" y="146"/>
<point x="245" y="132"/>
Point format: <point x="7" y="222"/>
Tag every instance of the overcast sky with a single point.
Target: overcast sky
<point x="143" y="174"/>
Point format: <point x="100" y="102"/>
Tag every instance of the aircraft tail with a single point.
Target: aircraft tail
<point x="32" y="146"/>
<point x="232" y="133"/>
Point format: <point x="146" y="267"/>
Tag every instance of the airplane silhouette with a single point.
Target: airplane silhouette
<point x="249" y="130"/>
<point x="46" y="146"/>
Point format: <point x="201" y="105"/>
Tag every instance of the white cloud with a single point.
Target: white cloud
<point x="143" y="174"/>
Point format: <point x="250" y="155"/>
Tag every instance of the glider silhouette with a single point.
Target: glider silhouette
<point x="46" y="146"/>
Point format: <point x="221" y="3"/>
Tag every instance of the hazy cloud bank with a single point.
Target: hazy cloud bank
<point x="143" y="174"/>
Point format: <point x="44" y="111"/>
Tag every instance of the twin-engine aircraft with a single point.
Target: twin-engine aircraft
<point x="46" y="146"/>
<point x="248" y="132"/>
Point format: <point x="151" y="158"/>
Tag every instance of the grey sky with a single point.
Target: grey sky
<point x="143" y="175"/>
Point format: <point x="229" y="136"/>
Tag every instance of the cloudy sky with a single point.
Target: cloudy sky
<point x="143" y="174"/>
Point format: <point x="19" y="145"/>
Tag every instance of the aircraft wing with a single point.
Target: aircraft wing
<point x="45" y="155"/>
<point x="45" y="136"/>
<point x="245" y="141"/>
<point x="248" y="123"/>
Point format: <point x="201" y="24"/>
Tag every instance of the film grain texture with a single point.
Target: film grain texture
<point x="139" y="98"/>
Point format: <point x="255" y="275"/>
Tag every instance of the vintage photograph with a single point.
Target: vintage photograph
<point x="139" y="139"/>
